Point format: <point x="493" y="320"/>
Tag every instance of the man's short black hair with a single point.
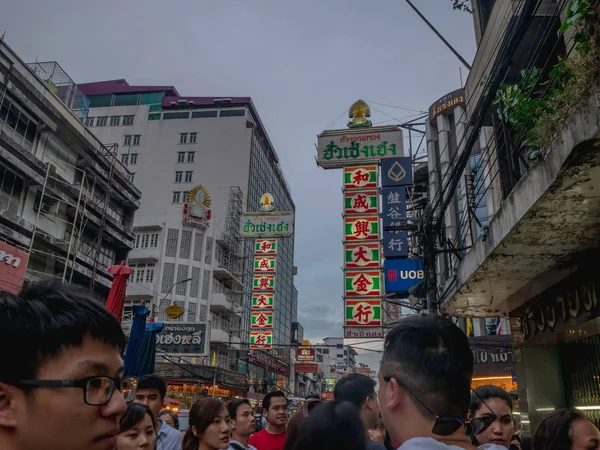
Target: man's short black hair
<point x="153" y="382"/>
<point x="233" y="406"/>
<point x="267" y="400"/>
<point x="354" y="388"/>
<point x="46" y="319"/>
<point x="432" y="357"/>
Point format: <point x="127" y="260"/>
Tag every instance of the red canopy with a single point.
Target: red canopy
<point x="116" y="296"/>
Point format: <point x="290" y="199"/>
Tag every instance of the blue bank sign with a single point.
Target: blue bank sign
<point x="400" y="274"/>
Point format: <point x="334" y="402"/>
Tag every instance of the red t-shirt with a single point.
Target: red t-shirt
<point x="263" y="440"/>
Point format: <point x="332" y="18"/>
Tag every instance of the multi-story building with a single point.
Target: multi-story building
<point x="66" y="203"/>
<point x="179" y="149"/>
<point x="337" y="357"/>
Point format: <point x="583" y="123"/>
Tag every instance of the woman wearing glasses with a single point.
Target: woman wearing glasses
<point x="208" y="426"/>
<point x="493" y="403"/>
<point x="137" y="429"/>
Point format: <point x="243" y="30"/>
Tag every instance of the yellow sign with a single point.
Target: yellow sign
<point x="266" y="202"/>
<point x="196" y="209"/>
<point x="174" y="311"/>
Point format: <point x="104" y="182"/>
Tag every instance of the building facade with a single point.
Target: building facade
<point x="180" y="149"/>
<point x="66" y="202"/>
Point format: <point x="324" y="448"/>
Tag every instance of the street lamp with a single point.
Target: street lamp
<point x="187" y="280"/>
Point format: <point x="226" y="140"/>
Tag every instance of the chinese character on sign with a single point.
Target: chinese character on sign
<point x="261" y="320"/>
<point x="393" y="198"/>
<point x="362" y="283"/>
<point x="265" y="246"/>
<point x="360" y="177"/>
<point x="363" y="311"/>
<point x="264" y="283"/>
<point x="360" y="202"/>
<point x="361" y="228"/>
<point x="264" y="264"/>
<point x="359" y="255"/>
<point x="261" y="339"/>
<point x="262" y="301"/>
<point x="394" y="213"/>
<point x="395" y="244"/>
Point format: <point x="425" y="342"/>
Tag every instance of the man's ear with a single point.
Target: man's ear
<point x="9" y="398"/>
<point x="232" y="423"/>
<point x="394" y="396"/>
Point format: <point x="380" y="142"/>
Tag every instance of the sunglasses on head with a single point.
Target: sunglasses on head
<point x="447" y="425"/>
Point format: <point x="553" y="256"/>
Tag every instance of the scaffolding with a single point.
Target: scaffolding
<point x="62" y="86"/>
<point x="232" y="252"/>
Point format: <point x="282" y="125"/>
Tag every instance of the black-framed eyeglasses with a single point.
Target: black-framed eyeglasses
<point x="97" y="391"/>
<point x="447" y="425"/>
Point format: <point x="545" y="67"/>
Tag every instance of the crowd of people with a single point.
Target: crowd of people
<point x="62" y="388"/>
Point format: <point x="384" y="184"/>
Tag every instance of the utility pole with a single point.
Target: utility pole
<point x="429" y="266"/>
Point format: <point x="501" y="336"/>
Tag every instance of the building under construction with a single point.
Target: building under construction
<point x="65" y="199"/>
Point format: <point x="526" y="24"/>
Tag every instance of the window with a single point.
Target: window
<point x="127" y="120"/>
<point x="182" y="274"/>
<point x="131" y="177"/>
<point x="191" y="312"/>
<point x="168" y="277"/>
<point x="180" y="157"/>
<point x="101" y="121"/>
<point x="136" y="139"/>
<point x="10" y="183"/>
<point x="172" y="238"/>
<point x="155" y="108"/>
<point x="145" y="239"/>
<point x="89" y="121"/>
<point x="208" y="253"/>
<point x="205" y="280"/>
<point x="203" y="114"/>
<point x="154" y="240"/>
<point x="178" y="177"/>
<point x="139" y="273"/>
<point x="184" y="196"/>
<point x="127" y="140"/>
<point x="195" y="283"/>
<point x="115" y="121"/>
<point x="191" y="156"/>
<point x="188" y="177"/>
<point x="193" y="137"/>
<point x="198" y="246"/>
<point x="149" y="98"/>
<point x="176" y="115"/>
<point x="176" y="197"/>
<point x="153" y="116"/>
<point x="125" y="159"/>
<point x="133" y="158"/>
<point x="186" y="243"/>
<point x="183" y="138"/>
<point x="232" y="112"/>
<point x="126" y="99"/>
<point x="203" y="312"/>
<point x="150" y="273"/>
<point x="98" y="101"/>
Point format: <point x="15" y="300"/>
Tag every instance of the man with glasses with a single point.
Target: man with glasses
<point x="359" y="390"/>
<point x="424" y="385"/>
<point x="61" y="375"/>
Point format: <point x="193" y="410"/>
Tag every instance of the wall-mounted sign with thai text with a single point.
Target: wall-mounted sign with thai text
<point x="339" y="148"/>
<point x="262" y="300"/>
<point x="361" y="202"/>
<point x="362" y="256"/>
<point x="362" y="313"/>
<point x="360" y="177"/>
<point x="264" y="264"/>
<point x="447" y="102"/>
<point x="265" y="246"/>
<point x="363" y="283"/>
<point x="13" y="263"/>
<point x="361" y="228"/>
<point x="263" y="282"/>
<point x="259" y="224"/>
<point x="183" y="338"/>
<point x="363" y="332"/>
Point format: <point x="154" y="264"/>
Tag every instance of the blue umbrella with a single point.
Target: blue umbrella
<point x="152" y="329"/>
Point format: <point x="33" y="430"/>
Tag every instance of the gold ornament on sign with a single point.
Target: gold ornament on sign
<point x="205" y="198"/>
<point x="266" y="202"/>
<point x="359" y="111"/>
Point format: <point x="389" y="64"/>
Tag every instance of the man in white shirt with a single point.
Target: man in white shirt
<point x="242" y="424"/>
<point x="424" y="385"/>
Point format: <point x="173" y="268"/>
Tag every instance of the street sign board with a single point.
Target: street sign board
<point x="339" y="148"/>
<point x="262" y="319"/>
<point x="363" y="312"/>
<point x="361" y="228"/>
<point x="13" y="264"/>
<point x="262" y="300"/>
<point x="266" y="224"/>
<point x="394" y="205"/>
<point x="361" y="202"/>
<point x="363" y="332"/>
<point x="261" y="339"/>
<point x="263" y="282"/>
<point x="306" y="368"/>
<point x="362" y="256"/>
<point x="363" y="283"/>
<point x="396" y="171"/>
<point x="401" y="274"/>
<point x="265" y="246"/>
<point x="264" y="264"/>
<point x="395" y="244"/>
<point x="360" y="177"/>
<point x="305" y="354"/>
<point x="183" y="338"/>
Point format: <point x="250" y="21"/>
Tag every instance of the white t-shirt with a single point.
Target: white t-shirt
<point x="432" y="444"/>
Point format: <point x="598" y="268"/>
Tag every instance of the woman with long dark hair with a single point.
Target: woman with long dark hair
<point x="137" y="429"/>
<point x="208" y="426"/>
<point x="488" y="401"/>
<point x="566" y="429"/>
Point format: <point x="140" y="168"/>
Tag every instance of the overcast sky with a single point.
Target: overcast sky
<point x="303" y="63"/>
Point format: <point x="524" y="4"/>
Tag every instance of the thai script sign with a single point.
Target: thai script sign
<point x="363" y="312"/>
<point x="261" y="339"/>
<point x="394" y="206"/>
<point x="183" y="338"/>
<point x="262" y="319"/>
<point x="262" y="300"/>
<point x="361" y="228"/>
<point x="265" y="246"/>
<point x="360" y="177"/>
<point x="306" y="368"/>
<point x="259" y="224"/>
<point x="13" y="263"/>
<point x="362" y="256"/>
<point x="363" y="283"/>
<point x="338" y="148"/>
<point x="263" y="282"/>
<point x="396" y="172"/>
<point x="400" y="274"/>
<point x="448" y="101"/>
<point x="363" y="332"/>
<point x="305" y="354"/>
<point x="264" y="264"/>
<point x="361" y="202"/>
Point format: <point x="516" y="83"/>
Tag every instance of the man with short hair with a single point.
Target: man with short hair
<point x="61" y="375"/>
<point x="275" y="407"/>
<point x="424" y="384"/>
<point x="242" y="424"/>
<point x="151" y="392"/>
<point x="359" y="390"/>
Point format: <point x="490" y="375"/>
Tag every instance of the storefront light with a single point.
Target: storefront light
<point x="545" y="409"/>
<point x="588" y="408"/>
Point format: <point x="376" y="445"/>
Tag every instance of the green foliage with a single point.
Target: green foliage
<point x="577" y="13"/>
<point x="462" y="5"/>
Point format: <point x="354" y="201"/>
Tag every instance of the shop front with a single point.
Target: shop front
<point x="556" y="337"/>
<point x="275" y="373"/>
<point x="494" y="362"/>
